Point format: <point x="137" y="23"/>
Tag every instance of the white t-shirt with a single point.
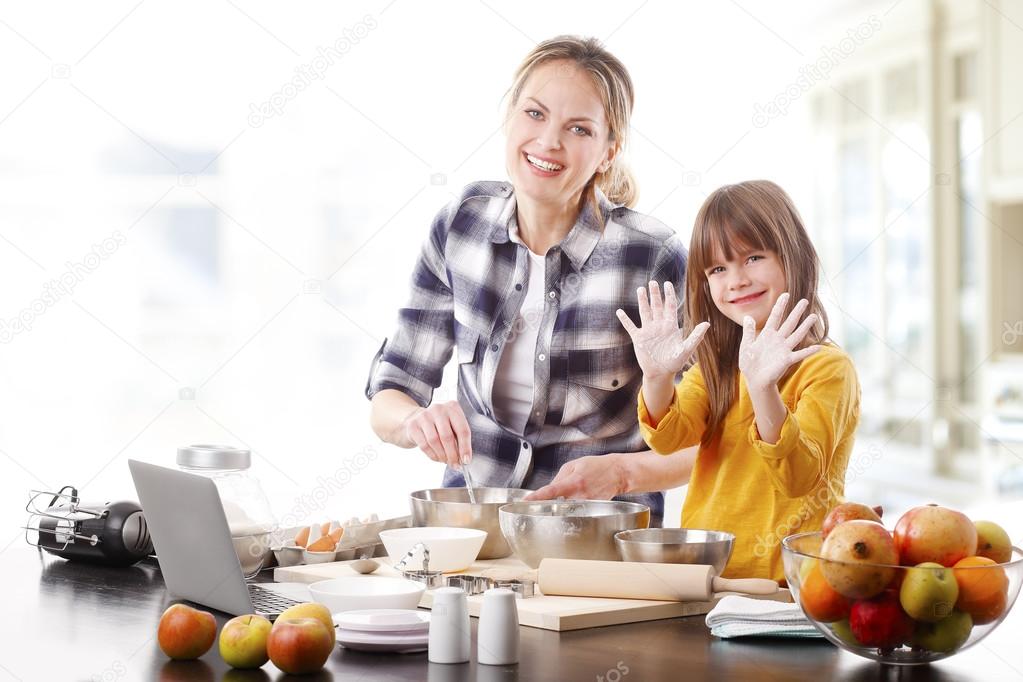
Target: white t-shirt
<point x="513" y="384"/>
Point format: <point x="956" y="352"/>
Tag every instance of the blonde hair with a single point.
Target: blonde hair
<point x="614" y="84"/>
<point x="757" y="214"/>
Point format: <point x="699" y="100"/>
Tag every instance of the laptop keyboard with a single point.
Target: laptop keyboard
<point x="268" y="603"/>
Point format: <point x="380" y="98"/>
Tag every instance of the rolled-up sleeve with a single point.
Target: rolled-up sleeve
<point x="412" y="359"/>
<point x="825" y="413"/>
<point x="684" y="423"/>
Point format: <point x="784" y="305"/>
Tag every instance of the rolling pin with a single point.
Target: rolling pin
<point x="635" y="580"/>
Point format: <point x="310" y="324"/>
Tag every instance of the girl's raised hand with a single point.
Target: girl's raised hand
<point x="660" y="348"/>
<point x="765" y="357"/>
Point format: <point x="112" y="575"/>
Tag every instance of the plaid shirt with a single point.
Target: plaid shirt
<point x="467" y="289"/>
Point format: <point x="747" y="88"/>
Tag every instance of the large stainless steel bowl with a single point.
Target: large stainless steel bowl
<point x="676" y="546"/>
<point x="451" y="507"/>
<point x="571" y="529"/>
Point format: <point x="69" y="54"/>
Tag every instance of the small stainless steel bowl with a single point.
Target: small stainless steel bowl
<point x="571" y="529"/>
<point x="676" y="546"/>
<point x="451" y="507"/>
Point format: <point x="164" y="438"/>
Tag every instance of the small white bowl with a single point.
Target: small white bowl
<point x="289" y="555"/>
<point x="318" y="557"/>
<point x="367" y="592"/>
<point x="451" y="549"/>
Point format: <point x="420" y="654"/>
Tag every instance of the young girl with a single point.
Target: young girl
<point x="771" y="402"/>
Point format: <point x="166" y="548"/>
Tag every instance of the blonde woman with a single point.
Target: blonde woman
<point x="522" y="280"/>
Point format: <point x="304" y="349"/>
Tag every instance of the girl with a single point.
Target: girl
<point x="772" y="403"/>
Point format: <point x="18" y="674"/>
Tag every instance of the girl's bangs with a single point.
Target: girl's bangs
<point x="725" y="232"/>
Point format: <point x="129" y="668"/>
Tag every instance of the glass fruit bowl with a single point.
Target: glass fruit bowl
<point x="902" y="615"/>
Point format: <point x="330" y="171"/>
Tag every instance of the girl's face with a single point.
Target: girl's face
<point x="557" y="135"/>
<point x="749" y="284"/>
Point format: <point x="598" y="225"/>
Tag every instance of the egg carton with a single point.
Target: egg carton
<point x="359" y="541"/>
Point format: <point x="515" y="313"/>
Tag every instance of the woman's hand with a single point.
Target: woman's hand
<point x="660" y="348"/>
<point x="596" y="477"/>
<point x="765" y="357"/>
<point x="442" y="432"/>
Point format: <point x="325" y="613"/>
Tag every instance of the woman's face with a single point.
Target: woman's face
<point x="748" y="284"/>
<point x="557" y="135"/>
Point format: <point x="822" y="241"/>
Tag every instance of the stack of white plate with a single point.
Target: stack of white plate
<point x="396" y="630"/>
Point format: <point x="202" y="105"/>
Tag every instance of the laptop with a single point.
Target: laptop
<point x="193" y="543"/>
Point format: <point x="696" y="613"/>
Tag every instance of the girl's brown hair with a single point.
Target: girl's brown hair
<point x="756" y="214"/>
<point x="614" y="84"/>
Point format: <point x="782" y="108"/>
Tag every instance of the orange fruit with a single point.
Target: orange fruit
<point x="983" y="588"/>
<point x="820" y="600"/>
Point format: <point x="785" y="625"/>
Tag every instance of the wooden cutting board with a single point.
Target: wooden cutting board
<point x="548" y="612"/>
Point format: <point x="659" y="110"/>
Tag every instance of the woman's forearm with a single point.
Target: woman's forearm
<point x="647" y="471"/>
<point x="389" y="410"/>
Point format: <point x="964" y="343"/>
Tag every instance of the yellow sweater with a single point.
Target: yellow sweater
<point x="758" y="491"/>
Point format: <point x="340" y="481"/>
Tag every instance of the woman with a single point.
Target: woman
<point x="523" y="278"/>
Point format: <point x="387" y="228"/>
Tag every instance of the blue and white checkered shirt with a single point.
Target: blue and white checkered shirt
<point x="467" y="290"/>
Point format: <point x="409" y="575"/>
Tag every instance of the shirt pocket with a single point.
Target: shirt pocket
<point x="600" y="391"/>
<point x="469" y="358"/>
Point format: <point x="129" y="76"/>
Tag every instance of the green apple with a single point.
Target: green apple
<point x="993" y="542"/>
<point x="929" y="592"/>
<point x="946" y="635"/>
<point x="243" y="641"/>
<point x="842" y="630"/>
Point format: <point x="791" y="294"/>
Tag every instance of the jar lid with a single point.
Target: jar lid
<point x="214" y="457"/>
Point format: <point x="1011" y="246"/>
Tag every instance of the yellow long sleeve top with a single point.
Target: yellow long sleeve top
<point x="760" y="491"/>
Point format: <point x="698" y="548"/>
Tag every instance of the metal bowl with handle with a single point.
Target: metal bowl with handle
<point x="451" y="507"/>
<point x="570" y="529"/>
<point x="676" y="546"/>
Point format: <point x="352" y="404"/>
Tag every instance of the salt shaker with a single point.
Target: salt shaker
<point x="450" y="633"/>
<point x="497" y="637"/>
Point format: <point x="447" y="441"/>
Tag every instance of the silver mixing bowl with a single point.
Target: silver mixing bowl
<point x="571" y="529"/>
<point x="676" y="546"/>
<point x="451" y="507"/>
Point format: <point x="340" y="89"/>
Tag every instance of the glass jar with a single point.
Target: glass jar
<point x="246" y="506"/>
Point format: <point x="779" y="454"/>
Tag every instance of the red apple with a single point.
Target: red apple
<point x="185" y="633"/>
<point x="849" y="511"/>
<point x="243" y="641"/>
<point x="881" y="622"/>
<point x="862" y="559"/>
<point x="299" y="645"/>
<point x="311" y="609"/>
<point x="934" y="534"/>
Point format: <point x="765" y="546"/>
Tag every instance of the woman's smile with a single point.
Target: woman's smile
<point x="545" y="168"/>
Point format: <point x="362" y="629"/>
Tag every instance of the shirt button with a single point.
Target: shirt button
<point x="551" y="295"/>
<point x="494" y="348"/>
<point x="518" y="287"/>
<point x="541" y="357"/>
<point x="614" y="383"/>
<point x="525" y="446"/>
<point x="537" y="413"/>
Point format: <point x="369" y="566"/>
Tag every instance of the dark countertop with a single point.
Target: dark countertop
<point x="80" y="622"/>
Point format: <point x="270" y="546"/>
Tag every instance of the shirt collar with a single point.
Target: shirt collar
<point x="580" y="240"/>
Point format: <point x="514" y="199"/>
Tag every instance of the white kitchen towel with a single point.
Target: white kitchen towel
<point x="736" y="616"/>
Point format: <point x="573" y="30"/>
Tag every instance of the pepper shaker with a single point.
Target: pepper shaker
<point x="497" y="637"/>
<point x="450" y="633"/>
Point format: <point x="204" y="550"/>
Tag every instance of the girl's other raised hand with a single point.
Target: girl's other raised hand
<point x="765" y="357"/>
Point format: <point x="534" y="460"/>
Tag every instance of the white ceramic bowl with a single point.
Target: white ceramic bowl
<point x="451" y="549"/>
<point x="367" y="592"/>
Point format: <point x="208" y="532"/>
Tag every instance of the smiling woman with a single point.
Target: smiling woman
<point x="523" y="279"/>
